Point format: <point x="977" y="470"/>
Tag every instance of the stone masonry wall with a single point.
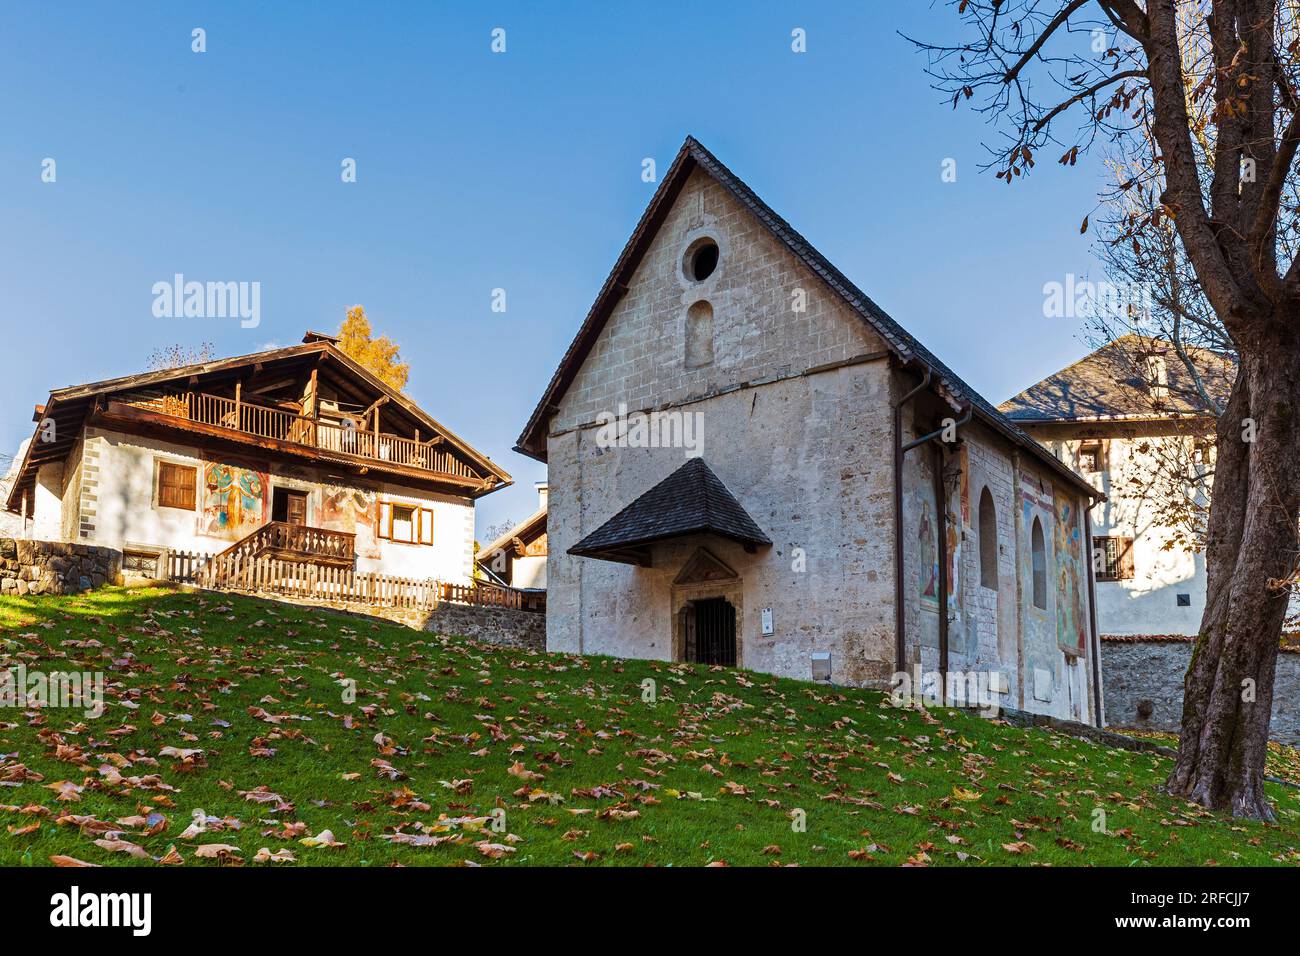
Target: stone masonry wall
<point x="491" y="625"/>
<point x="505" y="627"/>
<point x="49" y="567"/>
<point x="1138" y="671"/>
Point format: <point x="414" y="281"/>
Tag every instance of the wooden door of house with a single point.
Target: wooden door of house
<point x="295" y="511"/>
<point x="289" y="506"/>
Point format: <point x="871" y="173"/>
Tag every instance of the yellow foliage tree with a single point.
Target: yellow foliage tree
<point x="381" y="356"/>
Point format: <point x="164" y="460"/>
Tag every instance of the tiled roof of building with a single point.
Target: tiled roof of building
<point x="692" y="500"/>
<point x="1112" y="382"/>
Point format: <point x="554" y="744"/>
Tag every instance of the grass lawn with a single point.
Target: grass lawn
<point x="232" y="709"/>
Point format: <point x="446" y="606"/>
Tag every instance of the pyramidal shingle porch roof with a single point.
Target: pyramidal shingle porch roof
<point x="692" y="500"/>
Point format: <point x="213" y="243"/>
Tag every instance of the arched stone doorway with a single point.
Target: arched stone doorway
<point x="707" y="612"/>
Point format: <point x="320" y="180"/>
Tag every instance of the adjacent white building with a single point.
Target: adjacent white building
<point x="1131" y="420"/>
<point x="300" y="451"/>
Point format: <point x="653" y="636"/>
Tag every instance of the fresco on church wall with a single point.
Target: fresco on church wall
<point x="1071" y="631"/>
<point x="928" y="557"/>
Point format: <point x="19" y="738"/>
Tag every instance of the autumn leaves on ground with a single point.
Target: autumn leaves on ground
<point x="230" y="738"/>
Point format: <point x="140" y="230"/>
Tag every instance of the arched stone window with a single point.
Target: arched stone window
<point x="988" y="532"/>
<point x="1038" y="551"/>
<point x="699" y="335"/>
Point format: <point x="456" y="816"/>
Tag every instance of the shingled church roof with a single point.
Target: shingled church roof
<point x="907" y="349"/>
<point x="692" y="500"/>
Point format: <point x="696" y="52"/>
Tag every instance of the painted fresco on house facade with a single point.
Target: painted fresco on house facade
<point x="355" y="511"/>
<point x="234" y="500"/>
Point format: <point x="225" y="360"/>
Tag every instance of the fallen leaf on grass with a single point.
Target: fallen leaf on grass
<point x="324" y="838"/>
<point x="264" y="855"/>
<point x="493" y="850"/>
<point x="123" y="846"/>
<point x="214" y="851"/>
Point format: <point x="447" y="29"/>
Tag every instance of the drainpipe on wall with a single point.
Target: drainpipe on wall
<point x="941" y="535"/>
<point x="941" y="519"/>
<point x="900" y="662"/>
<point x="941" y="529"/>
<point x="1092" y="622"/>
<point x="1018" y="509"/>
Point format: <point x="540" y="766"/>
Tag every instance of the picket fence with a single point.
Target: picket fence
<point x="237" y="572"/>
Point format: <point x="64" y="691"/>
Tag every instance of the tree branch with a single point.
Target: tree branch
<point x="1172" y="129"/>
<point x="1084" y="94"/>
<point x="1044" y="35"/>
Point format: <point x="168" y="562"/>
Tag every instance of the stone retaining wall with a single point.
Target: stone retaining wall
<point x="1139" y="674"/>
<point x="505" y="627"/>
<point x="491" y="625"/>
<point x="51" y="567"/>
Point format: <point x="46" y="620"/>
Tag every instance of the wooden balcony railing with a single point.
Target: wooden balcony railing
<point x="265" y="422"/>
<point x="279" y="539"/>
<point x="316" y="542"/>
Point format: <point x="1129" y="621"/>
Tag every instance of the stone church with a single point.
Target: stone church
<point x="751" y="464"/>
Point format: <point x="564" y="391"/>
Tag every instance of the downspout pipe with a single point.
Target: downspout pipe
<point x="900" y="662"/>
<point x="901" y="449"/>
<point x="941" y="532"/>
<point x="1092" y="621"/>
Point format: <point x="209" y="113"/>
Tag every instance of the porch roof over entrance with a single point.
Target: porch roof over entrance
<point x="690" y="501"/>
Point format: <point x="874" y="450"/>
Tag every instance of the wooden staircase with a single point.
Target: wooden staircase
<point x="283" y="542"/>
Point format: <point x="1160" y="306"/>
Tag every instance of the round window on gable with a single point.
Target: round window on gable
<point x="701" y="259"/>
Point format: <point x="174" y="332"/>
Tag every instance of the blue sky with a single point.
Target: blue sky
<point x="478" y="170"/>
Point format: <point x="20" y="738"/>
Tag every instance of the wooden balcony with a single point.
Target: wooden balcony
<point x="274" y="427"/>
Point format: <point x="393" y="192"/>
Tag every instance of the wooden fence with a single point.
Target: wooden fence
<point x="481" y="594"/>
<point x="267" y="575"/>
<point x="317" y="581"/>
<point x="183" y="566"/>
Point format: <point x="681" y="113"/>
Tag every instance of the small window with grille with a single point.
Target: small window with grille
<point x="1091" y="458"/>
<point x="1112" y="558"/>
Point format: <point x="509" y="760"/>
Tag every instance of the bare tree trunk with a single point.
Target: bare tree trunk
<point x="1251" y="549"/>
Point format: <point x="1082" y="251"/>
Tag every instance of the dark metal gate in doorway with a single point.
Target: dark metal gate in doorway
<point x="710" y="636"/>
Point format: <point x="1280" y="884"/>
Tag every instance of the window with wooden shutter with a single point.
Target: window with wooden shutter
<point x="1113" y="558"/>
<point x="176" y="485"/>
<point x="408" y="524"/>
